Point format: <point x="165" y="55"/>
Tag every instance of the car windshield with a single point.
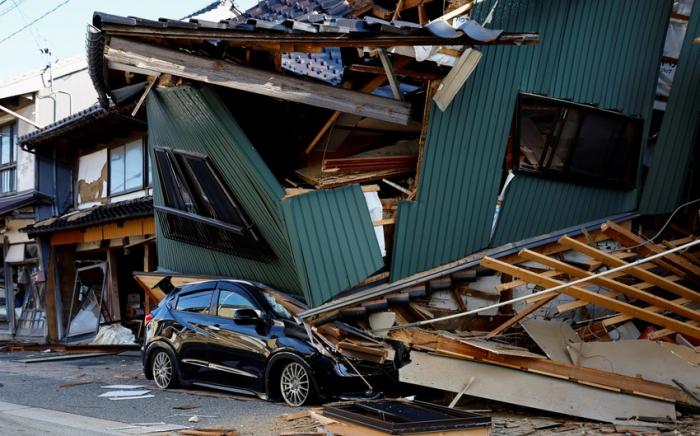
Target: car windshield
<point x="276" y="307"/>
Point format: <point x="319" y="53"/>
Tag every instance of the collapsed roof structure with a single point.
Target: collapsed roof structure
<point x="392" y="171"/>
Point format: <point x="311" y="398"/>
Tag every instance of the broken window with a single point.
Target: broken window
<point x="577" y="143"/>
<point x="8" y="158"/>
<point x="128" y="170"/>
<point x="200" y="209"/>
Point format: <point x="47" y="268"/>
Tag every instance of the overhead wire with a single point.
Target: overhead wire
<point x="24" y="17"/>
<point x="35" y="20"/>
<point x="8" y="10"/>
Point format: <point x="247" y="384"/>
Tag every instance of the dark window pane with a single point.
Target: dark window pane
<point x="197" y="302"/>
<point x="601" y="149"/>
<point x="167" y="180"/>
<point x="213" y="194"/>
<point x="577" y="143"/>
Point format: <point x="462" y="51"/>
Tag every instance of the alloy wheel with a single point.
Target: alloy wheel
<point x="162" y="369"/>
<point x="295" y="384"/>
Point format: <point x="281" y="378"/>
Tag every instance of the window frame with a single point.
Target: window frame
<point x="146" y="179"/>
<point x="11" y="166"/>
<point x="625" y="180"/>
<point x="205" y="201"/>
<point x="212" y="294"/>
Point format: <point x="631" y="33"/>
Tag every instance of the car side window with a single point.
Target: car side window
<point x="196" y="302"/>
<point x="230" y="301"/>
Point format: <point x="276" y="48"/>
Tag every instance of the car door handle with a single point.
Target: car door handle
<point x="215" y="327"/>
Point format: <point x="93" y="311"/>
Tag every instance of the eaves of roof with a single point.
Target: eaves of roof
<point x="22" y="199"/>
<point x="104" y="214"/>
<point x="87" y="116"/>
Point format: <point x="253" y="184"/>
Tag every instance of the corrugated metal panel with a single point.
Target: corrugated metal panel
<point x="187" y="119"/>
<point x="605" y="52"/>
<point x="678" y="134"/>
<point x="332" y="231"/>
<point x="196" y="120"/>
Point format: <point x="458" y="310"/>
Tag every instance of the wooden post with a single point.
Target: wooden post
<point x="113" y="283"/>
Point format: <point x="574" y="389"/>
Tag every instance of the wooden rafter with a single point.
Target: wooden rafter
<point x="214" y="71"/>
<point x="592" y="297"/>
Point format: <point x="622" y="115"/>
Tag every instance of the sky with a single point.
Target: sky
<point x="62" y="29"/>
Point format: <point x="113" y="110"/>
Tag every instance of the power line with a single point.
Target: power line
<point x="9" y="9"/>
<point x="43" y="16"/>
<point x="24" y="17"/>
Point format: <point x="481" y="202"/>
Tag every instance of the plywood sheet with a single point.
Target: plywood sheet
<point x="639" y="358"/>
<point x="553" y="337"/>
<point x="528" y="389"/>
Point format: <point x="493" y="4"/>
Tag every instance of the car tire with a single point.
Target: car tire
<point x="295" y="384"/>
<point x="164" y="369"/>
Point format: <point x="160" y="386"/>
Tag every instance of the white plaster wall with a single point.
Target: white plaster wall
<point x="90" y="171"/>
<point x="12" y="233"/>
<point x="71" y="93"/>
<point x="26" y="166"/>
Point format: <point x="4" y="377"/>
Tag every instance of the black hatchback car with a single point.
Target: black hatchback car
<point x="232" y="335"/>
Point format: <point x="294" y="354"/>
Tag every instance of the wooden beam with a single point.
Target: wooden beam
<point x="647" y="248"/>
<point x="447" y="346"/>
<point x="367" y="88"/>
<point x="592" y="297"/>
<point x="217" y="72"/>
<point x="613" y="285"/>
<point x="399" y="72"/>
<point x="390" y="75"/>
<point x="521" y="315"/>
<point x="634" y="271"/>
<point x="623" y="318"/>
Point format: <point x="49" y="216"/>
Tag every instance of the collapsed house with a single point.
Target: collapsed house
<point x="298" y="145"/>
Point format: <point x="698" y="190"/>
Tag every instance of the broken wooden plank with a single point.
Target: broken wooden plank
<point x="456" y="348"/>
<point x="355" y="164"/>
<point x="521" y="315"/>
<point x="592" y="297"/>
<point x="634" y="271"/>
<point x="613" y="285"/>
<point x="214" y="71"/>
<point x="623" y="318"/>
<point x="457" y="76"/>
<point x="461" y="392"/>
<point x="635" y="243"/>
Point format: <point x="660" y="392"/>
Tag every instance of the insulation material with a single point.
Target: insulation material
<point x="375" y="211"/>
<point x="672" y="49"/>
<point x="114" y="334"/>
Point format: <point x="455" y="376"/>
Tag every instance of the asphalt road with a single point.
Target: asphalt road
<point x="75" y="386"/>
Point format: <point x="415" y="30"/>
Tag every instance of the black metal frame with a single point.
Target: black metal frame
<point x="628" y="181"/>
<point x="406" y="417"/>
<point x="203" y="231"/>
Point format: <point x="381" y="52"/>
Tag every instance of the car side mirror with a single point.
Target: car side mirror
<point x="246" y="316"/>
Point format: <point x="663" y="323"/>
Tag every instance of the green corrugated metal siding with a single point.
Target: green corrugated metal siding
<point x="599" y="51"/>
<point x="196" y="120"/>
<point x="678" y="134"/>
<point x="336" y="228"/>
